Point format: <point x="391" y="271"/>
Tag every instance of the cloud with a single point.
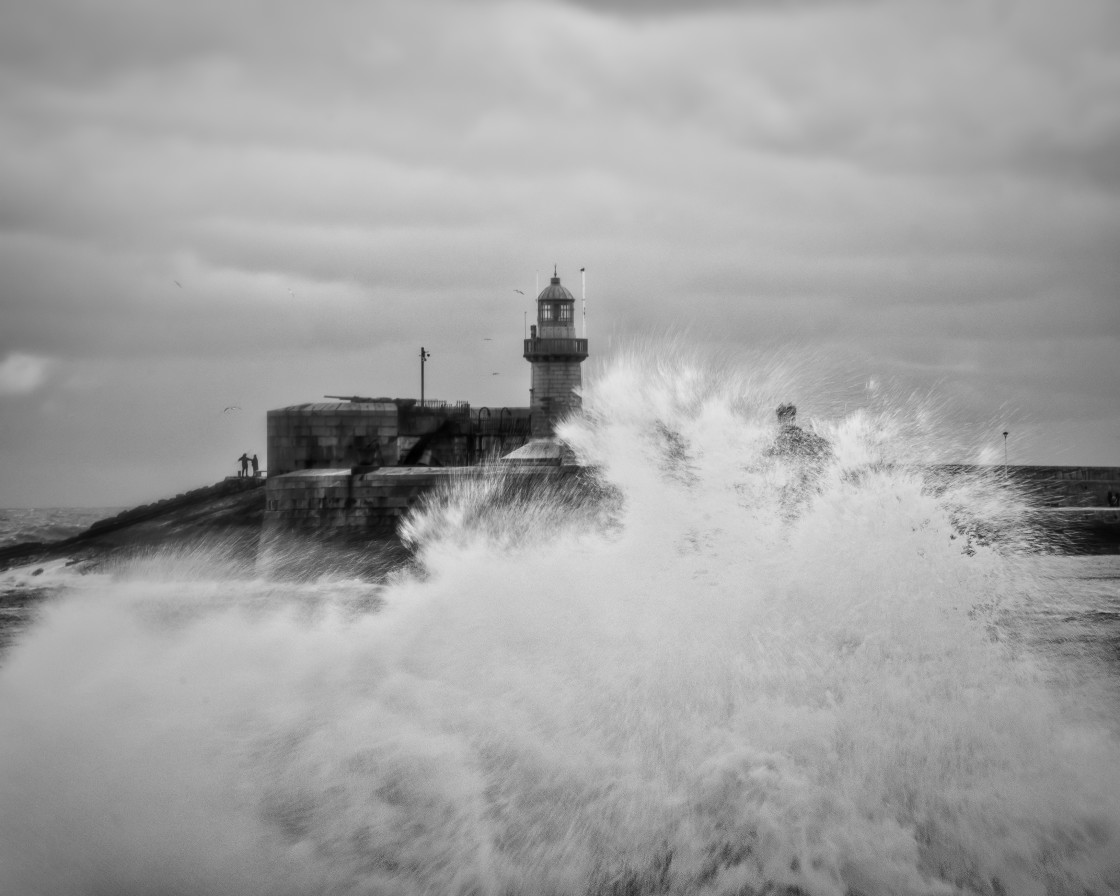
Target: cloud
<point x="22" y="373"/>
<point x="642" y="9"/>
<point x="932" y="187"/>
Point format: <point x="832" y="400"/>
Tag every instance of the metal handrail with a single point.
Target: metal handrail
<point x="455" y="408"/>
<point x="555" y="345"/>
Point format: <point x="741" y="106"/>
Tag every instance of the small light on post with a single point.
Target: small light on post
<point x="424" y="355"/>
<point x="1005" y="454"/>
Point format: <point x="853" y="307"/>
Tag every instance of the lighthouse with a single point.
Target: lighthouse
<point x="555" y="354"/>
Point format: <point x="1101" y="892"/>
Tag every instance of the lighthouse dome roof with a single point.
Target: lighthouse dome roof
<point x="555" y="292"/>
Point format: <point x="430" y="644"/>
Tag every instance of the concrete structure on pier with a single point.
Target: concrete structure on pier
<point x="357" y="464"/>
<point x="390" y="432"/>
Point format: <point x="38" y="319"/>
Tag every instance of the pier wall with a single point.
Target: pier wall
<point x="339" y="502"/>
<point x="390" y="433"/>
<point x="347" y="503"/>
<point x="1049" y="486"/>
<point x="331" y="435"/>
<point x="1068" y="486"/>
<point x="1070" y="502"/>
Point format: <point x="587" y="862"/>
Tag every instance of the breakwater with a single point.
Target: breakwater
<point x="343" y="503"/>
<point x="229" y="511"/>
<point x="1049" y="486"/>
<point x="1068" y="506"/>
<point x="1066" y="503"/>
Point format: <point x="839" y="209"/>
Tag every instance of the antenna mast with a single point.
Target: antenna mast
<point x="583" y="279"/>
<point x="424" y="355"/>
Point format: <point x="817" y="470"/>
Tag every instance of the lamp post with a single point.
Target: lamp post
<point x="1005" y="454"/>
<point x="423" y="359"/>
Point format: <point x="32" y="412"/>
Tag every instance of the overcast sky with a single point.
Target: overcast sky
<point x="248" y="204"/>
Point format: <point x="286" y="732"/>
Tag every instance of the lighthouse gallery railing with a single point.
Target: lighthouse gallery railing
<point x="555" y="346"/>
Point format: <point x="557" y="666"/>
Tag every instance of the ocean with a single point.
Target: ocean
<point x="21" y="524"/>
<point x="716" y="671"/>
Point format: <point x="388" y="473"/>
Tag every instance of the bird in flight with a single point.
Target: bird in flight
<point x="177" y="283"/>
<point x="232" y="407"/>
<point x="487" y="339"/>
<point x="518" y="290"/>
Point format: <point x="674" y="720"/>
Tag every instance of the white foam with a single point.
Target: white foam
<point x="725" y="677"/>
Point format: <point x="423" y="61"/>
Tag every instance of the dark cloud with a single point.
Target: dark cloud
<point x="278" y="202"/>
<point x="642" y="9"/>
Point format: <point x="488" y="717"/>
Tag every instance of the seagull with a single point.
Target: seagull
<point x="232" y="407"/>
<point x="518" y="290"/>
<point x="487" y="339"/>
<point x="177" y="283"/>
<point x="495" y="374"/>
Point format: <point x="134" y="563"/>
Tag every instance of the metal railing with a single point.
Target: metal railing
<point x="548" y="345"/>
<point x="451" y="408"/>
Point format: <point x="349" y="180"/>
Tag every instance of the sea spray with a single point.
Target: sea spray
<point x="698" y="667"/>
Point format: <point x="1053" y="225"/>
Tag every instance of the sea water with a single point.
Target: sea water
<point x="46" y="524"/>
<point x="701" y="668"/>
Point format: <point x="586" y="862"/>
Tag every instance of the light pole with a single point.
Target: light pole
<point x="423" y="359"/>
<point x="1005" y="454"/>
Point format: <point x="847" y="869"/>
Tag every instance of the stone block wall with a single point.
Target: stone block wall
<point x="440" y="450"/>
<point x="336" y="435"/>
<point x="335" y="501"/>
<point x="1068" y="486"/>
<point x="341" y="503"/>
<point x="435" y="436"/>
<point x="1048" y="486"/>
<point x="331" y="435"/>
<point x="554" y="385"/>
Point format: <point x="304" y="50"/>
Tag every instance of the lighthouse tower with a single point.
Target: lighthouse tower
<point x="555" y="355"/>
